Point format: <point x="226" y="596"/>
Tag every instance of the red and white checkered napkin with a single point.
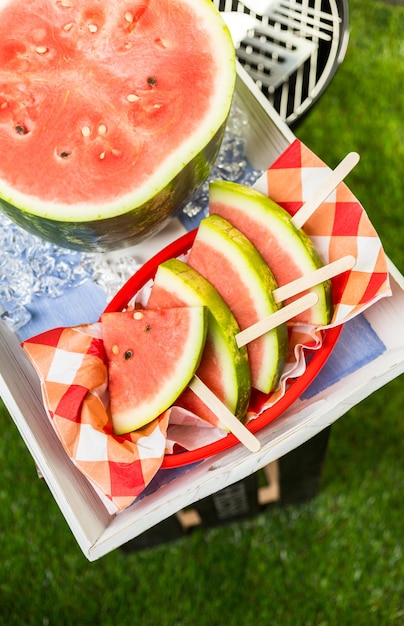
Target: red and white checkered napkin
<point x="72" y="366"/>
<point x="340" y="226"/>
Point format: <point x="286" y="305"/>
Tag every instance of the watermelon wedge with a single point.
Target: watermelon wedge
<point x="288" y="251"/>
<point x="230" y="262"/>
<point x="111" y="114"/>
<point x="224" y="367"/>
<point x="152" y="356"/>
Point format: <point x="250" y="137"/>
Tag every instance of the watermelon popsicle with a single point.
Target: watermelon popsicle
<point x="262" y="327"/>
<point x="279" y="238"/>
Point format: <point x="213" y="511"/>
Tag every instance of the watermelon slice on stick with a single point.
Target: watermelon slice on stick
<point x="287" y="249"/>
<point x="230" y="262"/>
<point x="224" y="367"/>
<point x="152" y="356"/>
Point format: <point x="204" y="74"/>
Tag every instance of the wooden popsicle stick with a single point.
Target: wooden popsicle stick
<point x="272" y="321"/>
<point x="336" y="177"/>
<point x="226" y="417"/>
<point x="316" y="277"/>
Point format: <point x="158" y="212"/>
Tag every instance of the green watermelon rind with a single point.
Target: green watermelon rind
<point x="193" y="289"/>
<point x="258" y="279"/>
<point x="177" y="376"/>
<point x="273" y="217"/>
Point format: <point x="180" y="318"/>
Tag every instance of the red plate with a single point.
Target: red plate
<point x="294" y="391"/>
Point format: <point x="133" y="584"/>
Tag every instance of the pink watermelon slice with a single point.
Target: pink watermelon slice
<point x="229" y="261"/>
<point x="288" y="251"/>
<point x="224" y="367"/>
<point x="152" y="356"/>
<point x="101" y="139"/>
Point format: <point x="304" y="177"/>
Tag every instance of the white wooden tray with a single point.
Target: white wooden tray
<point x="334" y="392"/>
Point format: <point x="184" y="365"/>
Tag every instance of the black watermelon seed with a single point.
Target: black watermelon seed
<point x="21" y="130"/>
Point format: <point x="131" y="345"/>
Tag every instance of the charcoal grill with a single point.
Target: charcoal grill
<point x="322" y="23"/>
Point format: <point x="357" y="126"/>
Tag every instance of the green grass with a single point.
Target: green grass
<point x="334" y="561"/>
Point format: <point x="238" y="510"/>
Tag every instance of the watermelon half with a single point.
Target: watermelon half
<point x="111" y="114"/>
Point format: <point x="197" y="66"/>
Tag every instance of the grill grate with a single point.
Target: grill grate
<point x="294" y="50"/>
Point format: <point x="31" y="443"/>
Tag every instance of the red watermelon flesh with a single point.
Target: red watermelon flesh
<point x="104" y="104"/>
<point x="152" y="356"/>
<point x="287" y="250"/>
